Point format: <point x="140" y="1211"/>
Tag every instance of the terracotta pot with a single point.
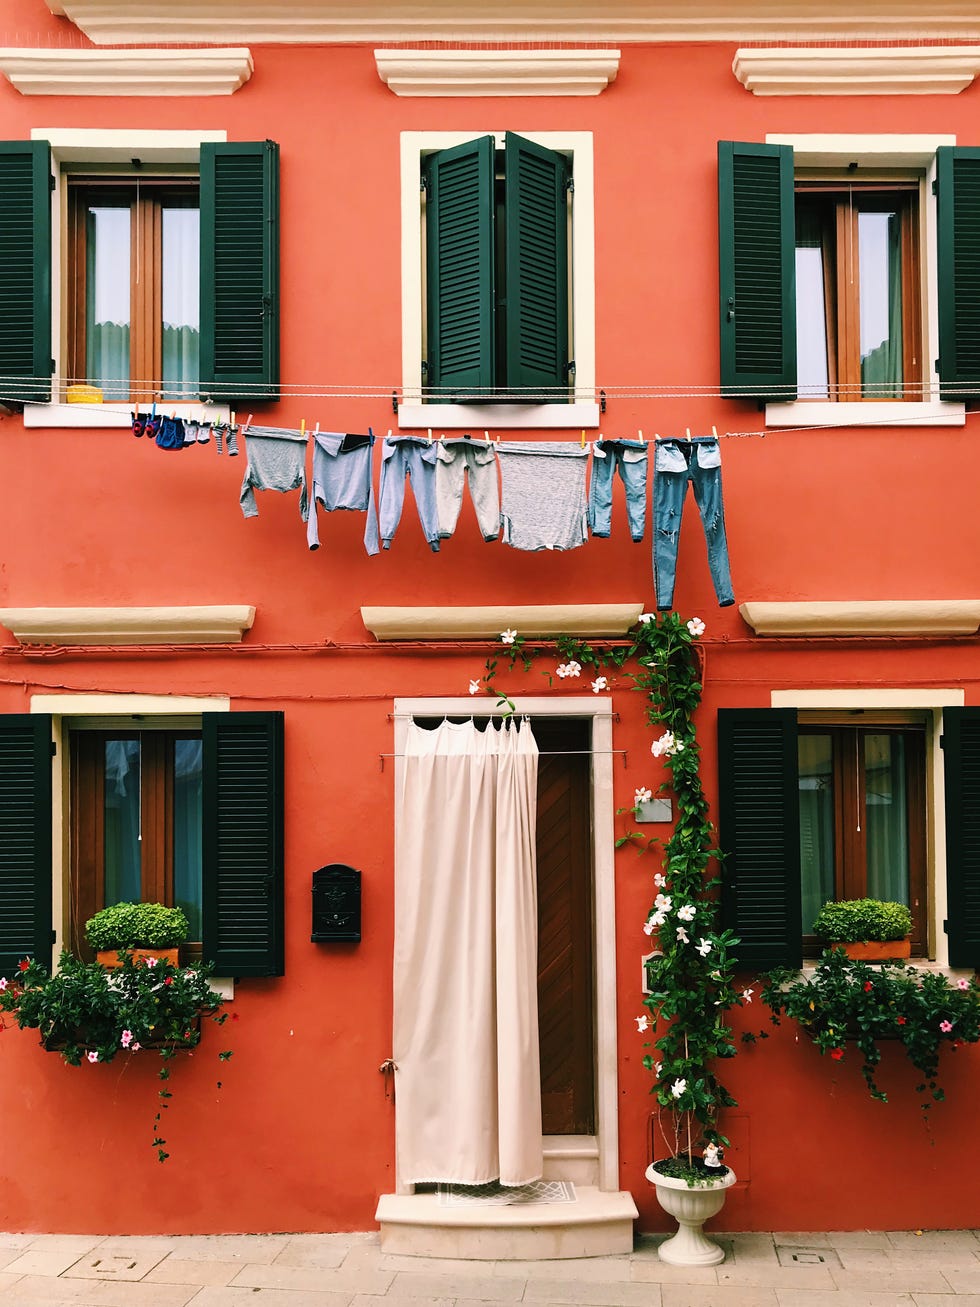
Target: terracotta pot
<point x="110" y="957"/>
<point x="691" y="1206"/>
<point x="878" y="950"/>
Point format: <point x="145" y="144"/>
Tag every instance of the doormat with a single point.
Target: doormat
<point x="495" y="1194"/>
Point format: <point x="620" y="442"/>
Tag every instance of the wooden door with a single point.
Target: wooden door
<point x="565" y="927"/>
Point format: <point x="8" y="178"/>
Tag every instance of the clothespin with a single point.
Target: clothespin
<point x="316" y="431"/>
<point x="714" y="432"/>
<point x="639" y="436"/>
<point x="389" y="432"/>
<point x="302" y="427"/>
<point x="430" y="435"/>
<point x="688" y="430"/>
<point x="583" y="437"/>
<point x="231" y="418"/>
<point x="248" y="423"/>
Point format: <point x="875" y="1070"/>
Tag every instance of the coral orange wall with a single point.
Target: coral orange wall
<point x="300" y="1136"/>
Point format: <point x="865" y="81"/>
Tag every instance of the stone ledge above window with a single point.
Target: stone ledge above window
<point x="126" y="72"/>
<point x="530" y="621"/>
<point x="865" y="617"/>
<point x="496" y="72"/>
<point x="202" y="624"/>
<point x="842" y="70"/>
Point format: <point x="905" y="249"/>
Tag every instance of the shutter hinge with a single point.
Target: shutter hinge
<point x="946" y="926"/>
<point x="935" y="186"/>
<point x="53" y="366"/>
<point x="425" y="367"/>
<point x="936" y="365"/>
<point x="942" y="741"/>
<point x="54" y="749"/>
<point x="54" y="937"/>
<point x="423" y="183"/>
<point x="570" y="185"/>
<point x="51" y="180"/>
<point x="570" y="366"/>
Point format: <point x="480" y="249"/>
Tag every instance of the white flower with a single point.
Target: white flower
<point x="696" y="626"/>
<point x="682" y="935"/>
<point x="703" y="946"/>
<point x="663" y="902"/>
<point x="3" y="982"/>
<point x="659" y="918"/>
<point x="647" y="617"/>
<point x="573" y="668"/>
<point x="600" y="683"/>
<point x="660" y="880"/>
<point x="474" y="687"/>
<point x="666" y="746"/>
<point x="642" y="1023"/>
<point x="687" y="913"/>
<point x="508" y="636"/>
<point x="657" y="1068"/>
<point x="678" y="746"/>
<point x="648" y="926"/>
<point x="560" y="670"/>
<point x="678" y="1088"/>
<point x="747" y="994"/>
<point x="642" y="796"/>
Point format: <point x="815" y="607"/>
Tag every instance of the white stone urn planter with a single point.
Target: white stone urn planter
<point x="691" y="1206"/>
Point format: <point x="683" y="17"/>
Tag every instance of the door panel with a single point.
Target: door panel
<point x="565" y="930"/>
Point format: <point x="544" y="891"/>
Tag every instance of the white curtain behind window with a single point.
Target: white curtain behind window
<point x="468" y="1105"/>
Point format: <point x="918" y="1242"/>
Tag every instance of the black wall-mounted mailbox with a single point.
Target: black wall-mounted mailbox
<point x="336" y="905"/>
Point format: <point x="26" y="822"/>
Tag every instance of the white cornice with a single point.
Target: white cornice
<point x="135" y="22"/>
<point x="202" y="624"/>
<point x="872" y="617"/>
<point x="844" y="70"/>
<point x="481" y="623"/>
<point x="126" y="72"/>
<point x="496" y="72"/>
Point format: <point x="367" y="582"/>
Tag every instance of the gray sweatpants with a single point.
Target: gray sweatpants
<point x="455" y="460"/>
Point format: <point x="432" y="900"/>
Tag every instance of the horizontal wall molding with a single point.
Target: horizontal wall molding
<point x="135" y="22"/>
<point x="204" y="624"/>
<point x="845" y="70"/>
<point x="126" y="72"/>
<point x="533" y="620"/>
<point x="496" y="72"/>
<point x="871" y="617"/>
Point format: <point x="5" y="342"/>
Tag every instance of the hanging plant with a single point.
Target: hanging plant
<point x="691" y="975"/>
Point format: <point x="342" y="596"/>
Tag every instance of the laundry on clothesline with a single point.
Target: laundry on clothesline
<point x="342" y="480"/>
<point x="629" y="459"/>
<point x="276" y="461"/>
<point x="474" y="461"/>
<point x="542" y="503"/>
<point x="402" y="458"/>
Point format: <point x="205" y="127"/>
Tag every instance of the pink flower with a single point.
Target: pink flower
<point x="92" y="1057"/>
<point x="3" y="982"/>
<point x="134" y="1048"/>
<point x="945" y="1026"/>
<point x="962" y="983"/>
<point x="126" y="1038"/>
<point x="151" y="962"/>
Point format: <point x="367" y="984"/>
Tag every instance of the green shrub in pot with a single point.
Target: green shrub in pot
<point x="136" y="925"/>
<point x="852" y="921"/>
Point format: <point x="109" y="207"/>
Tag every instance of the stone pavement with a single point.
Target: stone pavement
<point x="853" y="1269"/>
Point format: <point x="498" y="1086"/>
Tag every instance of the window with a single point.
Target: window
<point x="134" y="256"/>
<point x="136" y="828"/>
<point x="498" y="294"/>
<point x="858" y="321"/>
<point x="185" y="811"/>
<point x="151" y="264"/>
<point x="812" y="809"/>
<point x="496" y="243"/>
<point x="844" y="268"/>
<point x="862" y="820"/>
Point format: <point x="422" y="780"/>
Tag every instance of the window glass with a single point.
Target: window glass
<point x="188" y="760"/>
<point x="107" y="298"/>
<point x="886" y="817"/>
<point x="811" y="325"/>
<point x="181" y="299"/>
<point x="122" y="838"/>
<point x="880" y="298"/>
<point x="817" y="862"/>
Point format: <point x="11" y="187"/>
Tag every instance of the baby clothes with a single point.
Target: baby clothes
<point x="401" y="457"/>
<point x="474" y="460"/>
<point x="630" y="458"/>
<point x="543" y="494"/>
<point x="276" y="461"/>
<point x="342" y="479"/>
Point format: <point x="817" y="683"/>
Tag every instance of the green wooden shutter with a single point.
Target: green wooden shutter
<point x="25" y="839"/>
<point x="958" y="204"/>
<point x="243" y="843"/>
<point x="240" y="270"/>
<point x="757" y="265"/>
<point x="759" y="832"/>
<point x="536" y="263"/>
<point x="25" y="271"/>
<point x="460" y="274"/>
<point x="961" y="761"/>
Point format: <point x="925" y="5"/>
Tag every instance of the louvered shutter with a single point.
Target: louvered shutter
<point x="25" y="271"/>
<point x="961" y="762"/>
<point x="243" y="843"/>
<point x="536" y="262"/>
<point x="759" y="832"/>
<point x="240" y="270"/>
<point x="958" y="205"/>
<point x="757" y="266"/>
<point x="25" y="839"/>
<point x="459" y="241"/>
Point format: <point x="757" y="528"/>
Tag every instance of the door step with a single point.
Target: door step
<point x="597" y="1224"/>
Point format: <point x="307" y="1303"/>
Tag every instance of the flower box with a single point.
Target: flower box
<point x="114" y="957"/>
<point x="878" y="950"/>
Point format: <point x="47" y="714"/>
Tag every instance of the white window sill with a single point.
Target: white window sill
<point x="867" y="413"/>
<point x="497" y="417"/>
<point x="105" y="416"/>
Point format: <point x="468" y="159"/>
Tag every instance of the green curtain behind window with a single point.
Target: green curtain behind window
<point x="881" y="305"/>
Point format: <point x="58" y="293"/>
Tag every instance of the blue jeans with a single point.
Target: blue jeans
<point x="401" y="457"/>
<point x="678" y="462"/>
<point x="630" y="457"/>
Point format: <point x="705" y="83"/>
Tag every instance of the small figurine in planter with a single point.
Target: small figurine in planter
<point x="870" y="930"/>
<point x="137" y="929"/>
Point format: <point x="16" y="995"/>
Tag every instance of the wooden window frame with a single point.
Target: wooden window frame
<point x="845" y="200"/>
<point x="87" y="824"/>
<point x="850" y="842"/>
<point x="146" y="198"/>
